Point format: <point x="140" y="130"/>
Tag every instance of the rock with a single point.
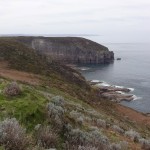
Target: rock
<point x="115" y="94"/>
<point x="118" y="58"/>
<point x="113" y="89"/>
<point x="117" y="97"/>
<point x="70" y="49"/>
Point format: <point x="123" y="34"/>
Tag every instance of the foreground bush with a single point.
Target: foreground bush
<point x="87" y="148"/>
<point x="46" y="138"/>
<point x="117" y="129"/>
<point x="12" y="89"/>
<point x="77" y="138"/>
<point x="123" y="145"/>
<point x="145" y="144"/>
<point x="58" y="101"/>
<point x="12" y="135"/>
<point x="55" y="115"/>
<point x="135" y="136"/>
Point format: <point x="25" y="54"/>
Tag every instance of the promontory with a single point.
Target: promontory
<point x="69" y="49"/>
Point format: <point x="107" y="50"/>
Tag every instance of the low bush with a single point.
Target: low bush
<point x="58" y="101"/>
<point x="94" y="139"/>
<point x="55" y="114"/>
<point x="77" y="116"/>
<point x="145" y="144"/>
<point x="123" y="145"/>
<point x="46" y="137"/>
<point x="87" y="148"/>
<point x="135" y="136"/>
<point x="117" y="129"/>
<point x="115" y="146"/>
<point x="12" y="135"/>
<point x="12" y="89"/>
<point x="101" y="123"/>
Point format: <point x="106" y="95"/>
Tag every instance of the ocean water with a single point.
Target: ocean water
<point x="132" y="71"/>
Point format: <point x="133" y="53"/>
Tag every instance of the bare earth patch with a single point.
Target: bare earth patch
<point x="134" y="115"/>
<point x="18" y="75"/>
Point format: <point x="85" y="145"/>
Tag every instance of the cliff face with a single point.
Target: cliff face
<point x="70" y="49"/>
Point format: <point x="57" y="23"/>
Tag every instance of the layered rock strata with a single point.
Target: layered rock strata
<point x="70" y="49"/>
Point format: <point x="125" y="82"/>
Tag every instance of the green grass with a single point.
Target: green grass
<point x="28" y="108"/>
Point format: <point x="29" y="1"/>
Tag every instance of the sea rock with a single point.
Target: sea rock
<point x="115" y="94"/>
<point x="70" y="49"/>
<point x="118" y="58"/>
<point x="117" y="97"/>
<point x="113" y="89"/>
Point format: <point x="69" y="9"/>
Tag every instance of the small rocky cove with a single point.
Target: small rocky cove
<point x="113" y="93"/>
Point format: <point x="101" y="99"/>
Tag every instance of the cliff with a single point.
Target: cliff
<point x="70" y="49"/>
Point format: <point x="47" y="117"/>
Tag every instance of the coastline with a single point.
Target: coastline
<point x="127" y="112"/>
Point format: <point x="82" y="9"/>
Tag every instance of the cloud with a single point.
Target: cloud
<point x="76" y="17"/>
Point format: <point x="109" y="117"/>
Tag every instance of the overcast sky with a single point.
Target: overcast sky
<point x="113" y="20"/>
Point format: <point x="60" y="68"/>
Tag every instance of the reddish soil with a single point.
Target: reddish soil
<point x="134" y="115"/>
<point x="18" y="75"/>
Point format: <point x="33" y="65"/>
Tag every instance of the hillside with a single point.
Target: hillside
<point x="69" y="49"/>
<point x="45" y="104"/>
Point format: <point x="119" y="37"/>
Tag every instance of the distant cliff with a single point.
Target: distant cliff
<point x="70" y="49"/>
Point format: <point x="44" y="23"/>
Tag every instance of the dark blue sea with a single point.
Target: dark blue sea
<point x="132" y="71"/>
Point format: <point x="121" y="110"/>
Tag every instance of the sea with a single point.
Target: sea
<point x="132" y="71"/>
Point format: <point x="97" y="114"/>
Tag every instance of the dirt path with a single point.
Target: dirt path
<point x="133" y="115"/>
<point x="18" y="75"/>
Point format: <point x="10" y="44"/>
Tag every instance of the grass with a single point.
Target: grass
<point x="28" y="108"/>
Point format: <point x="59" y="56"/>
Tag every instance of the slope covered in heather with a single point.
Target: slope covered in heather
<point x="61" y="111"/>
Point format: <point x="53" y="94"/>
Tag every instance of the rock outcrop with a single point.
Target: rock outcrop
<point x="113" y="93"/>
<point x="70" y="49"/>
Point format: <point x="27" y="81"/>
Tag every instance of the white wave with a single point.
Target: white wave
<point x="83" y="68"/>
<point x="95" y="81"/>
<point x="131" y="89"/>
<point x="117" y="86"/>
<point x="121" y="87"/>
<point x="136" y="97"/>
<point x="103" y="84"/>
<point x="120" y="92"/>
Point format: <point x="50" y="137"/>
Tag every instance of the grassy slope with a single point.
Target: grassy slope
<point x="30" y="107"/>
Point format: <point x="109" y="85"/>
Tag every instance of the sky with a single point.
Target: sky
<point x="110" y="20"/>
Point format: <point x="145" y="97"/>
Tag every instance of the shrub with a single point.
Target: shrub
<point x="46" y="138"/>
<point x="80" y="120"/>
<point x="87" y="148"/>
<point x="117" y="129"/>
<point x="87" y="119"/>
<point x="145" y="144"/>
<point x="115" y="146"/>
<point x="123" y="145"/>
<point x="56" y="114"/>
<point x="101" y="123"/>
<point x="132" y="135"/>
<point x="1" y="81"/>
<point x="12" y="135"/>
<point x="94" y="139"/>
<point x="77" y="116"/>
<point x="58" y="101"/>
<point x="12" y="89"/>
